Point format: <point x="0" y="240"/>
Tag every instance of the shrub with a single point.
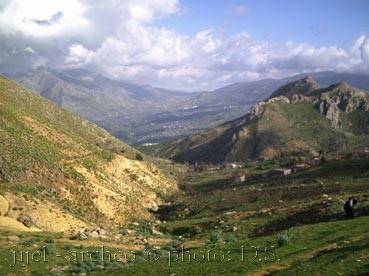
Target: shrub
<point x="107" y="155"/>
<point x="215" y="238"/>
<point x="84" y="267"/>
<point x="284" y="238"/>
<point x="90" y="164"/>
<point x="231" y="238"/>
<point x="139" y="157"/>
<point x="31" y="241"/>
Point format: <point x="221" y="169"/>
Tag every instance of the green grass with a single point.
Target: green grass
<point x="286" y="132"/>
<point x="284" y="219"/>
<point x="288" y="213"/>
<point x="42" y="147"/>
<point x="296" y="222"/>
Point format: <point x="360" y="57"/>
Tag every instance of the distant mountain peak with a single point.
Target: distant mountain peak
<point x="301" y="86"/>
<point x="340" y="85"/>
<point x="308" y="79"/>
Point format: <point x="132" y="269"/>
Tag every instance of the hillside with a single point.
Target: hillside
<point x="292" y="225"/>
<point x="64" y="173"/>
<point x="284" y="127"/>
<point x="139" y="114"/>
<point x="59" y="172"/>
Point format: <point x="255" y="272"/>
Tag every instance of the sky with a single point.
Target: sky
<point x="185" y="44"/>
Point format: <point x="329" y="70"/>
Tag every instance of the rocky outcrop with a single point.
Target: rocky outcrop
<point x="27" y="220"/>
<point x="279" y="98"/>
<point x="331" y="101"/>
<point x="340" y="98"/>
<point x="256" y="110"/>
<point x="302" y="86"/>
<point x="286" y="125"/>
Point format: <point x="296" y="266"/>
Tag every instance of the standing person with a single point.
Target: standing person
<point x="348" y="207"/>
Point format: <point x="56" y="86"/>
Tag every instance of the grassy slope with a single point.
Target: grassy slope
<point x="50" y="154"/>
<point x="306" y="207"/>
<point x="321" y="241"/>
<point x="20" y="140"/>
<point x="282" y="129"/>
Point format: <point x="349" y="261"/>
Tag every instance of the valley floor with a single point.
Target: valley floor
<point x="292" y="225"/>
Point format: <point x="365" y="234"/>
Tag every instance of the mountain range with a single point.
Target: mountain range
<point x="300" y="120"/>
<point x="140" y="114"/>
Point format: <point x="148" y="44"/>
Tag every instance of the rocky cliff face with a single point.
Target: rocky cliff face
<point x="332" y="101"/>
<point x="335" y="100"/>
<point x="341" y="98"/>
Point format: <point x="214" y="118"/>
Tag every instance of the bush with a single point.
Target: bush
<point x="31" y="241"/>
<point x="215" y="238"/>
<point x="84" y="267"/>
<point x="139" y="157"/>
<point x="231" y="238"/>
<point x="107" y="155"/>
<point x="90" y="164"/>
<point x="283" y="239"/>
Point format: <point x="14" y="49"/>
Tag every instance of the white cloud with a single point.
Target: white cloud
<point x="29" y="50"/>
<point x="78" y="55"/>
<point x="118" y="39"/>
<point x="364" y="48"/>
<point x="43" y="17"/>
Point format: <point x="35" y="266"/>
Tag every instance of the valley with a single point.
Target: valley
<point x="298" y="218"/>
<point x="184" y="138"/>
<point x="87" y="203"/>
<point x="140" y="114"/>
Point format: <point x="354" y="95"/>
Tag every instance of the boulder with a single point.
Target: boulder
<point x="156" y="232"/>
<point x="102" y="232"/>
<point x="94" y="235"/>
<point x="130" y="232"/>
<point x="154" y="207"/>
<point x="13" y="239"/>
<point x="79" y="235"/>
<point x="26" y="220"/>
<point x="280" y="98"/>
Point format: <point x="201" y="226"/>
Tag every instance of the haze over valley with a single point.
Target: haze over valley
<point x="143" y="114"/>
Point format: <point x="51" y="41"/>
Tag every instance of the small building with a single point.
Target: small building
<point x="280" y="172"/>
<point x="241" y="178"/>
<point x="214" y="168"/>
